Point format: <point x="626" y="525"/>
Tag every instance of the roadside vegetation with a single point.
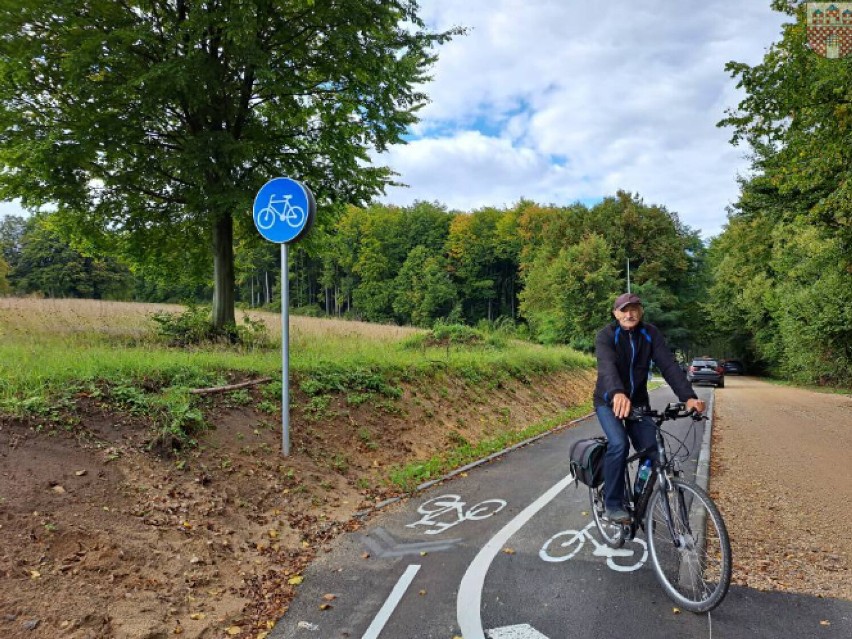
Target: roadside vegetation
<point x="146" y="359"/>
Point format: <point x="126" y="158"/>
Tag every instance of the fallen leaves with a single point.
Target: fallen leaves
<point x="295" y="581"/>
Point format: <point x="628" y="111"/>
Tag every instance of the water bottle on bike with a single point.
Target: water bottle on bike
<point x="641" y="478"/>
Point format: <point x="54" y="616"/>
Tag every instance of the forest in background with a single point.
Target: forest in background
<point x="552" y="271"/>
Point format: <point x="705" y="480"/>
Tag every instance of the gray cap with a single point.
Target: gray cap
<point x="624" y="299"/>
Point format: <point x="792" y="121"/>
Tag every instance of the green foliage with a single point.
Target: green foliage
<point x="482" y="250"/>
<point x="194" y="326"/>
<point x="352" y="381"/>
<point x="5" y="287"/>
<point x="47" y="264"/>
<point x="568" y="297"/>
<point x="423" y="288"/>
<point x="574" y="262"/>
<point x="179" y="420"/>
<point x="782" y="267"/>
<point x="443" y="333"/>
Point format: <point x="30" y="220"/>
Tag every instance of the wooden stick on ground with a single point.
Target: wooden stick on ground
<point x="229" y="387"/>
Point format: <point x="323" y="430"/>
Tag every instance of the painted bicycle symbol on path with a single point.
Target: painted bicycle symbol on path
<point x="566" y="544"/>
<point x="291" y="214"/>
<point x="452" y="509"/>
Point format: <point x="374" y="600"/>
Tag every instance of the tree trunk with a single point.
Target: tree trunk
<point x="268" y="296"/>
<point x="223" y="271"/>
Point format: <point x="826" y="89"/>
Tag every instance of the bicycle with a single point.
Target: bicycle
<point x="291" y="214"/>
<point x="686" y="535"/>
<point x="436" y="507"/>
<point x="573" y="541"/>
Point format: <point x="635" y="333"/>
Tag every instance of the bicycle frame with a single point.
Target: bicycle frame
<point x="661" y="469"/>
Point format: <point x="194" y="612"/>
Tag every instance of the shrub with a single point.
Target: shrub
<point x="194" y="327"/>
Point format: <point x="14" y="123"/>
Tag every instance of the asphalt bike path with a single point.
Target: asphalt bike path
<point x="509" y="550"/>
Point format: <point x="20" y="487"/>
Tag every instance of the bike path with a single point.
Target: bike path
<point x="498" y="576"/>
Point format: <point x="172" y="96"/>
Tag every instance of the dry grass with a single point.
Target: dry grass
<point x="32" y="317"/>
<point x="321" y="328"/>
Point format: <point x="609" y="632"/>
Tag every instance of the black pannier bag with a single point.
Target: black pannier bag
<point x="587" y="460"/>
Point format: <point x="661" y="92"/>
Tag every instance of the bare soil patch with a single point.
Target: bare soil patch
<point x="780" y="473"/>
<point x="100" y="537"/>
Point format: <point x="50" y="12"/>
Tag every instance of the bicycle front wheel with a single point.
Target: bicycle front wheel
<point x="689" y="546"/>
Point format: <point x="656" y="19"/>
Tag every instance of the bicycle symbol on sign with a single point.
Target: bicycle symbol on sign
<point x="437" y="507"/>
<point x="289" y="213"/>
<point x="621" y="559"/>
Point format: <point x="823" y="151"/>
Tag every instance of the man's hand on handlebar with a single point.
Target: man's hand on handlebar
<point x="621" y="405"/>
<point x="698" y="405"/>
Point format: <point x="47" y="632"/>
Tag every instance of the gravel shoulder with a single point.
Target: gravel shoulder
<point x="781" y="475"/>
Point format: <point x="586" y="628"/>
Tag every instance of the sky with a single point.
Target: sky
<point x="560" y="101"/>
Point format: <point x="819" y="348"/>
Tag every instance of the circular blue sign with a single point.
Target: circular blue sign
<point x="284" y="209"/>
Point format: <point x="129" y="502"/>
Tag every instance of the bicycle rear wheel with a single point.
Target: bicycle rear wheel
<point x="694" y="566"/>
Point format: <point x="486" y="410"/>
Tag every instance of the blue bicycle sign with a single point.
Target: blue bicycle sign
<point x="292" y="215"/>
<point x="283" y="210"/>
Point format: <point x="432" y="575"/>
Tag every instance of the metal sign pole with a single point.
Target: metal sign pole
<point x="285" y="353"/>
<point x="283" y="211"/>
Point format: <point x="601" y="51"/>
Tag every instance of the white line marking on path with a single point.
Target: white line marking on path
<point x="523" y="631"/>
<point x="469" y="599"/>
<point x="390" y="604"/>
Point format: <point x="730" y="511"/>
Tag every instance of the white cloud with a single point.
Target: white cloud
<point x="559" y="101"/>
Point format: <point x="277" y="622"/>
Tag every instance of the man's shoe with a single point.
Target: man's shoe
<point x="618" y="516"/>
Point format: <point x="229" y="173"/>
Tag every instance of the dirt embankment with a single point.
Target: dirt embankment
<point x="780" y="473"/>
<point x="101" y="538"/>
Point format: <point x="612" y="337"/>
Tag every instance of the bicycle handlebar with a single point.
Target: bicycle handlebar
<point x="674" y="410"/>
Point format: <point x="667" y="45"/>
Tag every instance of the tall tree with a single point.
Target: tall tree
<point x="153" y="122"/>
<point x="567" y="298"/>
<point x="423" y="290"/>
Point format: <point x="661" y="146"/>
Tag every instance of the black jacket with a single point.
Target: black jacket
<point x="624" y="359"/>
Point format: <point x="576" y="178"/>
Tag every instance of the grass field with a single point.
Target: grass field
<point x="48" y="345"/>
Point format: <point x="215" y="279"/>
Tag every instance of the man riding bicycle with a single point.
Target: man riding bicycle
<point x="625" y="350"/>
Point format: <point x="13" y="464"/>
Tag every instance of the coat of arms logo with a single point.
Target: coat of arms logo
<point x="830" y="28"/>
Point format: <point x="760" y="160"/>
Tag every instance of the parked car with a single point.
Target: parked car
<point x="733" y="367"/>
<point x="707" y="371"/>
